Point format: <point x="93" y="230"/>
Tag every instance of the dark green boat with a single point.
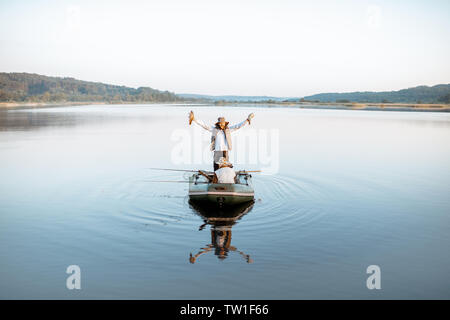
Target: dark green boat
<point x="203" y="191"/>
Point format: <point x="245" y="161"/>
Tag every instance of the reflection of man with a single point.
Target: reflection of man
<point x="221" y="243"/>
<point x="220" y="135"/>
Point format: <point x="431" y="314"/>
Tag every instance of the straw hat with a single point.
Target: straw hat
<point x="223" y="162"/>
<point x="220" y="119"/>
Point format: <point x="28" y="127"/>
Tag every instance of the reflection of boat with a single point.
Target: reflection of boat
<point x="202" y="190"/>
<point x="224" y="215"/>
<point x="221" y="221"/>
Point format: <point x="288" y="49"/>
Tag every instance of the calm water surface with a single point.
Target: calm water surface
<point x="345" y="190"/>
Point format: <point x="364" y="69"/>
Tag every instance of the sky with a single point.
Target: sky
<point x="247" y="47"/>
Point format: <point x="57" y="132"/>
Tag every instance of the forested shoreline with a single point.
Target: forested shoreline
<point x="26" y="87"/>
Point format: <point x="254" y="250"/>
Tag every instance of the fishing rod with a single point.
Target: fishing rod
<point x="184" y="181"/>
<point x="188" y="170"/>
<point x="182" y="170"/>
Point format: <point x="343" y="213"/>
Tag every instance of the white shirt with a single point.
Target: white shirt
<point x="221" y="143"/>
<point x="225" y="175"/>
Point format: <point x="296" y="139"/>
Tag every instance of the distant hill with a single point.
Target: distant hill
<point x="28" y="87"/>
<point x="422" y="94"/>
<point x="39" y="88"/>
<point x="231" y="98"/>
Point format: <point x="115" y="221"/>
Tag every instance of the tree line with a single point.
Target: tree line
<point x="27" y="87"/>
<point x="421" y="94"/>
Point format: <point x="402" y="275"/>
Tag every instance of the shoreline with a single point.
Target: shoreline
<point x="37" y="105"/>
<point x="22" y="105"/>
<point x="411" y="107"/>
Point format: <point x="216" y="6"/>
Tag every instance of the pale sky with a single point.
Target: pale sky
<point x="256" y="47"/>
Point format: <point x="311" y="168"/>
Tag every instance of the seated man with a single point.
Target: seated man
<point x="224" y="174"/>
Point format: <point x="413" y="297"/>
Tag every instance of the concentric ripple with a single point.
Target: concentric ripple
<point x="148" y="202"/>
<point x="282" y="202"/>
<point x="286" y="202"/>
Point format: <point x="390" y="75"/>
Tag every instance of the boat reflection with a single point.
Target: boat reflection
<point x="221" y="222"/>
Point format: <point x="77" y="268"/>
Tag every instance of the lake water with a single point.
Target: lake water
<point x="340" y="190"/>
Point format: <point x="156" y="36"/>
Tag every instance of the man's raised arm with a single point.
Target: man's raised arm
<point x="243" y="123"/>
<point x="199" y="122"/>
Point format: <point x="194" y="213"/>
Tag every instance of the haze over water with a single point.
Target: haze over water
<point x="350" y="189"/>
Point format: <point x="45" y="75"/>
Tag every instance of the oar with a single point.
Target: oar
<point x="205" y="175"/>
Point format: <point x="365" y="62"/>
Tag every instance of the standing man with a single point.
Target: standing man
<point x="220" y="135"/>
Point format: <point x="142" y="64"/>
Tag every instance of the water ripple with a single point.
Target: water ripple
<point x="282" y="203"/>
